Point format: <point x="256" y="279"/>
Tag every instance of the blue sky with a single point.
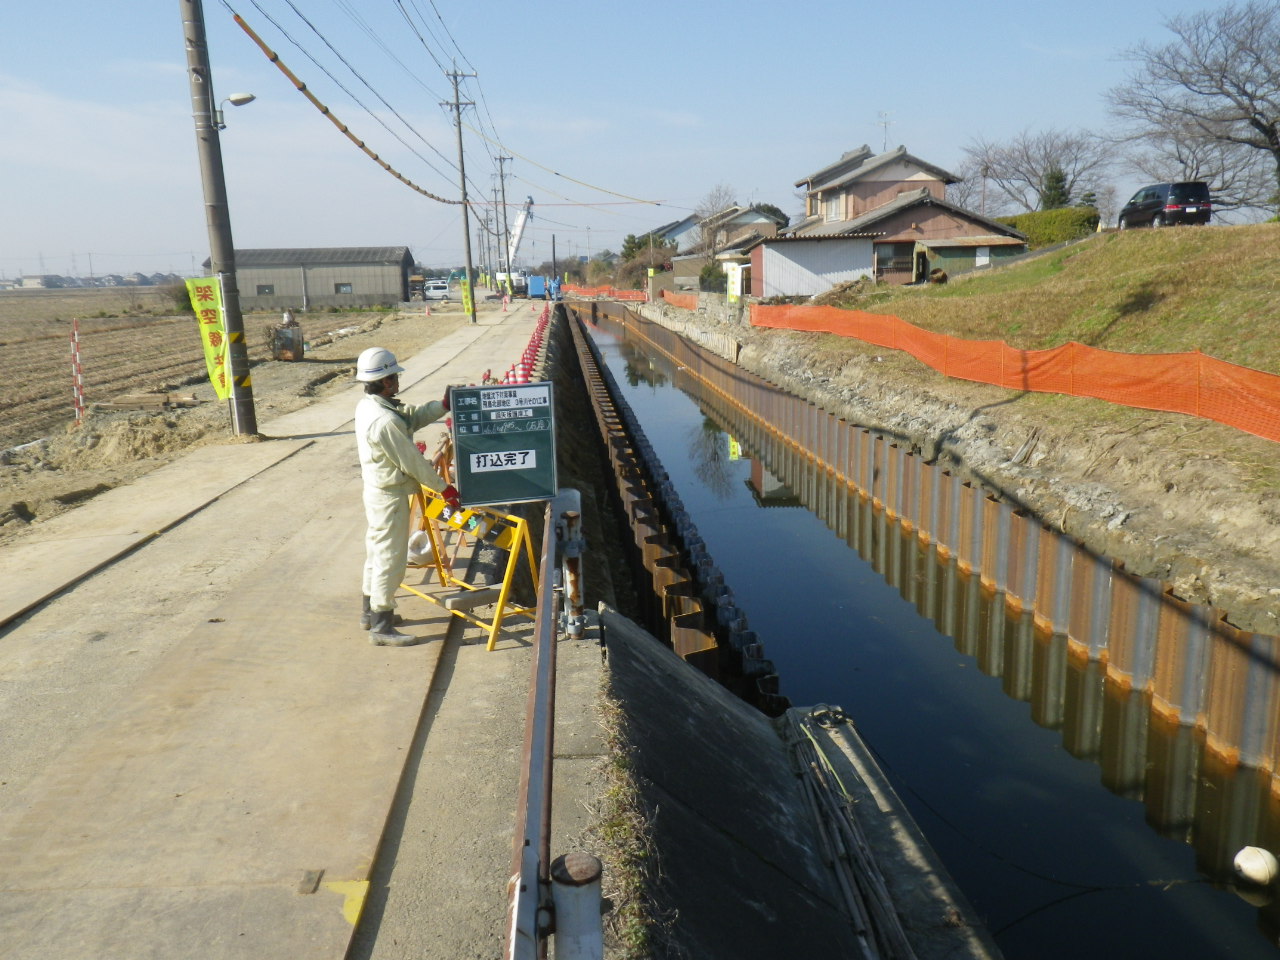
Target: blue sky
<point x="658" y="101"/>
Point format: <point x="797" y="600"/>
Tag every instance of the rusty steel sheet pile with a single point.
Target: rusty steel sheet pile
<point x="1197" y="669"/>
<point x="689" y="606"/>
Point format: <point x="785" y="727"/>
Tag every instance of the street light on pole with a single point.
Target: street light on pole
<point x="222" y="257"/>
<point x="236" y="100"/>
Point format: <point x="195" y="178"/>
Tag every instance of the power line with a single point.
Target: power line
<point x="302" y="88"/>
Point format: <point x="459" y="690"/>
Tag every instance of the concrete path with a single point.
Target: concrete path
<point x="201" y="749"/>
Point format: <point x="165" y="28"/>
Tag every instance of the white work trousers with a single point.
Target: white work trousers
<point x="386" y="545"/>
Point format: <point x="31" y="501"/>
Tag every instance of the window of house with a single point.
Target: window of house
<point x="342" y="288"/>
<point x="266" y="289"/>
<point x="831" y="208"/>
<point x="894" y="257"/>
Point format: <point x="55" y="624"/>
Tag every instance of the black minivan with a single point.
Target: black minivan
<point x="1166" y="204"/>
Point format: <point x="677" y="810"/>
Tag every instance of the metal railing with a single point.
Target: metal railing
<point x="545" y="897"/>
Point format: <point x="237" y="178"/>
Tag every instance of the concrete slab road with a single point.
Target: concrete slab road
<point x="200" y="746"/>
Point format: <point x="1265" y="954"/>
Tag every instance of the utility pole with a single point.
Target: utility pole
<point x="222" y="255"/>
<point x="506" y="232"/>
<point x="468" y="292"/>
<point x="555" y="269"/>
<point x="496" y="234"/>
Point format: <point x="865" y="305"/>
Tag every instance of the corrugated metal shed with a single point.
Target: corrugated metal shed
<point x="321" y="256"/>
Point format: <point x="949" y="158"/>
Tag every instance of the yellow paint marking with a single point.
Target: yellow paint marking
<point x="354" y="892"/>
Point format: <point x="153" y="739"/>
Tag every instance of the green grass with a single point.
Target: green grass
<point x="1141" y="291"/>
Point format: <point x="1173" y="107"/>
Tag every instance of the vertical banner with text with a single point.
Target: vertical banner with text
<point x="206" y="301"/>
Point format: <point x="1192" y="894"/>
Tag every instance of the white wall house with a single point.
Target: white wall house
<point x="807" y="268"/>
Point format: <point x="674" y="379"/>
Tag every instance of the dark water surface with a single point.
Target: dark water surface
<point x="1057" y="864"/>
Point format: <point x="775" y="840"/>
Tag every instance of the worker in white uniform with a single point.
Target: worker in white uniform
<point x="392" y="468"/>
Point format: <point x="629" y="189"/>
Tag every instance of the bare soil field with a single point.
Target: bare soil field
<point x="48" y="464"/>
<point x="142" y="346"/>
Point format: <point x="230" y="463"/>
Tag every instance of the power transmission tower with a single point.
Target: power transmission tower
<point x="468" y="292"/>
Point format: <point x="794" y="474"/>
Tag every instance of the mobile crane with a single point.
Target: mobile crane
<point x="518" y="278"/>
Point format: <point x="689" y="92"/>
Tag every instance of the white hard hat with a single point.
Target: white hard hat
<point x="376" y="363"/>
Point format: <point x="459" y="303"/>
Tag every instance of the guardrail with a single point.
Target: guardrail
<point x="545" y="897"/>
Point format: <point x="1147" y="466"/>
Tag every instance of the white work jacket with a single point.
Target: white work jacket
<point x="389" y="459"/>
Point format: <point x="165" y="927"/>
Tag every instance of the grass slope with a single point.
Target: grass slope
<point x="1214" y="289"/>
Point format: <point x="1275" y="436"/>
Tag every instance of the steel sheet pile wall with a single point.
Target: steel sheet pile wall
<point x="690" y="606"/>
<point x="1196" y="668"/>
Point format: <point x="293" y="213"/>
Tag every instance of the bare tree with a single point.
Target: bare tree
<point x="1218" y="83"/>
<point x="973" y="191"/>
<point x="711" y="233"/>
<point x="1022" y="168"/>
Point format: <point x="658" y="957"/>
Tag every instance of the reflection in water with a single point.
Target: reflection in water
<point x="1130" y="697"/>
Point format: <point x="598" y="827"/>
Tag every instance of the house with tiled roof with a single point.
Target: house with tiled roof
<point x="880" y="216"/>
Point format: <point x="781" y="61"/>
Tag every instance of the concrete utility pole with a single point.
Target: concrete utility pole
<point x="506" y="231"/>
<point x="222" y="255"/>
<point x="469" y="295"/>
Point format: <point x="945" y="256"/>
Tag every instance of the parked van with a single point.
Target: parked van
<point x="1167" y="204"/>
<point x="436" y="290"/>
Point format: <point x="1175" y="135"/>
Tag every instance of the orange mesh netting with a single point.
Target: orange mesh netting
<point x="1191" y="383"/>
<point x="612" y="293"/>
<point x="688" y="301"/>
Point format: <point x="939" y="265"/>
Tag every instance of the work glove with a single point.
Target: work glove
<point x="450" y="496"/>
<point x="444" y="401"/>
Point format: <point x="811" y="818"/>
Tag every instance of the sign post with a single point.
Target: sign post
<point x="504" y="443"/>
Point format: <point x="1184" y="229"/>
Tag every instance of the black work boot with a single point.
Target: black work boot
<point x="382" y="631"/>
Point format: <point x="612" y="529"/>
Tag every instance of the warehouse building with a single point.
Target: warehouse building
<point x="318" y="277"/>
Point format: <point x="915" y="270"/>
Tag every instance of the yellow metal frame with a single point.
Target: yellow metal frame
<point x="504" y="531"/>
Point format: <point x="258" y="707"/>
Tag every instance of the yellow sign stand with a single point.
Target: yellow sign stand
<point x="505" y="532"/>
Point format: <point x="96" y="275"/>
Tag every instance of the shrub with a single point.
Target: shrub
<point x="1046" y="227"/>
<point x="712" y="279"/>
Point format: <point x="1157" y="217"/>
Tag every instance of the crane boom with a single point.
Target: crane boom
<point x="517" y="234"/>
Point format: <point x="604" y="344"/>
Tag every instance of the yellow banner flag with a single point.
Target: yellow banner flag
<point x="206" y="301"/>
<point x="466" y="296"/>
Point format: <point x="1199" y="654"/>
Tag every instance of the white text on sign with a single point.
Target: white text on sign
<point x="504" y="460"/>
<point x="500" y="399"/>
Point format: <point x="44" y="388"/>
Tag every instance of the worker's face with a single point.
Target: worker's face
<point x="391" y="385"/>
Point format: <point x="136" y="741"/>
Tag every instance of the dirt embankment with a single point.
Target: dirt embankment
<point x="1187" y="501"/>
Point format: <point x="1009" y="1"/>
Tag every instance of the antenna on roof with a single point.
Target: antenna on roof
<point x="884" y="121"/>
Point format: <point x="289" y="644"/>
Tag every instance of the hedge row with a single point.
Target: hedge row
<point x="1046" y="227"/>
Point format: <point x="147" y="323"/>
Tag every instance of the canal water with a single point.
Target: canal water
<point x="1033" y="807"/>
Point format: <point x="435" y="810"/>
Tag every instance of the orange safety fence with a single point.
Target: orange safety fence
<point x="1190" y="383"/>
<point x="689" y="301"/>
<point x="612" y="293"/>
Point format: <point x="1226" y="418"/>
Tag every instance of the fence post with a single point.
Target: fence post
<point x="575" y="891"/>
<point x="77" y="377"/>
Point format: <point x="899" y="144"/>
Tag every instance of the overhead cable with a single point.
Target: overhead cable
<point x="302" y="88"/>
<point x="563" y="176"/>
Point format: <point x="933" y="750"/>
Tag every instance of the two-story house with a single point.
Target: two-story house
<point x="883" y="216"/>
